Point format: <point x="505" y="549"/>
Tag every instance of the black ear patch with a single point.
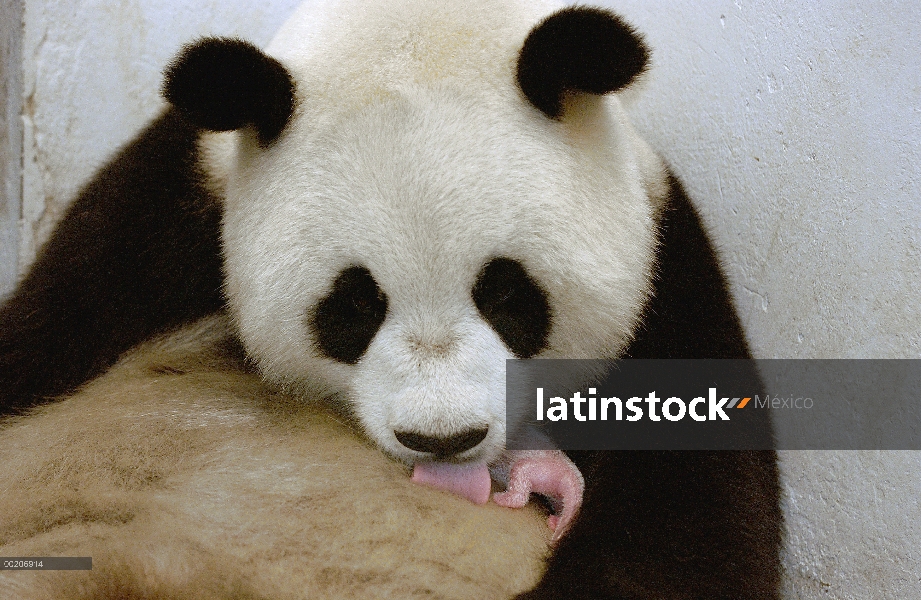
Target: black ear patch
<point x="514" y="305"/>
<point x="578" y="49"/>
<point x="345" y="321"/>
<point x="222" y="84"/>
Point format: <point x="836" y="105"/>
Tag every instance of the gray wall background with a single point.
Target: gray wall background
<point x="796" y="127"/>
<point x="11" y="98"/>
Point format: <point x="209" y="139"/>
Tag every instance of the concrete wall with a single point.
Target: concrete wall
<point x="797" y="129"/>
<point x="11" y="30"/>
<point x="795" y="125"/>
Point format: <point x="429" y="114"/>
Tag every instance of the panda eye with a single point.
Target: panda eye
<point x="505" y="295"/>
<point x="514" y="305"/>
<point x="346" y="320"/>
<point x="363" y="303"/>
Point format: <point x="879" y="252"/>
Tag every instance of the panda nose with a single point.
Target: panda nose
<point x="442" y="447"/>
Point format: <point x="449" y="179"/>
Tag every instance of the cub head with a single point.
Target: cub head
<point x="406" y="208"/>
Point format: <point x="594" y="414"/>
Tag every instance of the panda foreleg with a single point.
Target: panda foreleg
<point x="686" y="524"/>
<point x="137" y="253"/>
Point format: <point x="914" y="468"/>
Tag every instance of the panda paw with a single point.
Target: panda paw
<point x="549" y="473"/>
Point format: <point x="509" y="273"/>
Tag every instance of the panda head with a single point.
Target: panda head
<point x="407" y="207"/>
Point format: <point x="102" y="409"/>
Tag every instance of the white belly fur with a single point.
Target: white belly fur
<point x="184" y="476"/>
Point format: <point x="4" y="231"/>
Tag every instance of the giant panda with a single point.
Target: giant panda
<point x="390" y="201"/>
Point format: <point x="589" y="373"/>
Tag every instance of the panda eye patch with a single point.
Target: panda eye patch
<point x="514" y="305"/>
<point x="346" y="320"/>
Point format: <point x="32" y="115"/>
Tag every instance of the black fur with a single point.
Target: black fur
<point x="676" y="525"/>
<point x="136" y="254"/>
<point x="578" y="49"/>
<point x="691" y="314"/>
<point x="220" y="84"/>
<point x="346" y="320"/>
<point x="514" y="305"/>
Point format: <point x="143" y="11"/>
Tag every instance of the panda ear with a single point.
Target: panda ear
<point x="578" y="50"/>
<point x="220" y="84"/>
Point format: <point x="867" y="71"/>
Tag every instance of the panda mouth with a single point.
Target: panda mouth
<point x="467" y="480"/>
<point x="547" y="473"/>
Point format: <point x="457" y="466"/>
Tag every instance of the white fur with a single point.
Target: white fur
<point x="412" y="152"/>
